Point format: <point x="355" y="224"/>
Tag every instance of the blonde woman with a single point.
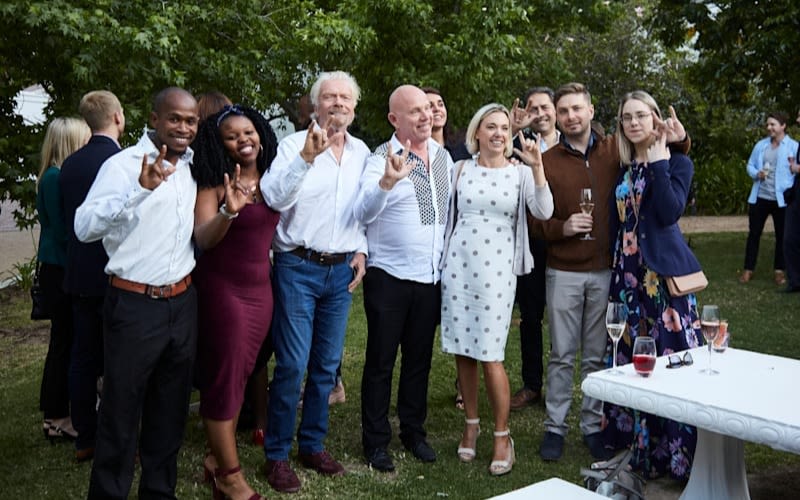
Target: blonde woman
<point x="486" y="248"/>
<point x="64" y="136"/>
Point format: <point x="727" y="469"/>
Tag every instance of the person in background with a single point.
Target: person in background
<point x="403" y="200"/>
<point x="540" y="115"/>
<point x="85" y="278"/>
<point x="211" y="103"/>
<point x="319" y="254"/>
<point x="768" y="166"/>
<point x="486" y="247"/>
<point x="647" y="245"/>
<point x="64" y="136"/>
<point x="440" y="134"/>
<point x="234" y="228"/>
<point x="791" y="231"/>
<point x="142" y="206"/>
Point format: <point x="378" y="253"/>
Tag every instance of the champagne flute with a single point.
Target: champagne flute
<point x="709" y="324"/>
<point x="616" y="319"/>
<point x="587" y="205"/>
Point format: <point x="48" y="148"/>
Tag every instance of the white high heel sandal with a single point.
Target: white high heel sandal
<point x="467" y="455"/>
<point x="500" y="467"/>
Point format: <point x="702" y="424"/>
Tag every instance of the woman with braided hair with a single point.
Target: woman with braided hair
<point x="233" y="229"/>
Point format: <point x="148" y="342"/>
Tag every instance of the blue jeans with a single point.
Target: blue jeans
<point x="308" y="327"/>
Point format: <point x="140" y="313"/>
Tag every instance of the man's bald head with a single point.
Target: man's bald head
<point x="410" y="114"/>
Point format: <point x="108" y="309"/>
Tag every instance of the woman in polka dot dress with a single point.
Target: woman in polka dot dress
<point x="486" y="248"/>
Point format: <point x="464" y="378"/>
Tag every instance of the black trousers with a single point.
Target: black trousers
<point x="757" y="214"/>
<point x="531" y="298"/>
<point x="791" y="244"/>
<point x="86" y="366"/>
<point x="54" y="391"/>
<point x="149" y="349"/>
<point x="402" y="314"/>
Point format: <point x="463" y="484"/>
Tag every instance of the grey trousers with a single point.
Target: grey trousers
<point x="576" y="306"/>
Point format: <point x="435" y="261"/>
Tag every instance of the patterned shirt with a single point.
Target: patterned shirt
<point x="405" y="226"/>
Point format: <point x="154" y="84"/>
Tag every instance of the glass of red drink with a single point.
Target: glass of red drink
<point x="644" y="355"/>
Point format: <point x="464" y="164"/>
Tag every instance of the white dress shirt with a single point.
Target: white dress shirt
<point x="146" y="234"/>
<point x="316" y="201"/>
<point x="402" y="240"/>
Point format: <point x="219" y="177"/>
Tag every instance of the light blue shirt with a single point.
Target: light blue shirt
<point x="783" y="175"/>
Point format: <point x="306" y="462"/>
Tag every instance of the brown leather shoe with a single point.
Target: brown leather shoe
<point x="746" y="276"/>
<point x="337" y="395"/>
<point x="525" y="397"/>
<point x="780" y="277"/>
<point x="84" y="454"/>
<point x="281" y="476"/>
<point x="322" y="462"/>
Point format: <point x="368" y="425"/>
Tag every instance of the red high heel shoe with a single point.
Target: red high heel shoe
<point x="258" y="437"/>
<point x="218" y="494"/>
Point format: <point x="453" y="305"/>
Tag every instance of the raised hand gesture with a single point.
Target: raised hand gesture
<point x="153" y="174"/>
<point x="397" y="167"/>
<point x="530" y="154"/>
<point x="236" y="194"/>
<point x="672" y="127"/>
<point x="658" y="150"/>
<point x="317" y="141"/>
<point x="520" y="118"/>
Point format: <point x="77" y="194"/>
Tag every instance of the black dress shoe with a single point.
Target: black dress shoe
<point x="596" y="447"/>
<point x="379" y="460"/>
<point x="422" y="450"/>
<point x="790" y="289"/>
<point x="552" y="447"/>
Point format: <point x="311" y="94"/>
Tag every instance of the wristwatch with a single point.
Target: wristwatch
<point x="223" y="209"/>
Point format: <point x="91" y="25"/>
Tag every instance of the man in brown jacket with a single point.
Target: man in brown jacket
<point x="578" y="270"/>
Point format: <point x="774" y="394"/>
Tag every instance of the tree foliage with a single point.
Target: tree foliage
<point x="266" y="53"/>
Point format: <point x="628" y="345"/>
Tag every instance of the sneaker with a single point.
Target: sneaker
<point x="552" y="446"/>
<point x="281" y="476"/>
<point x="379" y="460"/>
<point x="422" y="450"/>
<point x="525" y="397"/>
<point x="594" y="442"/>
<point x="337" y="394"/>
<point x="322" y="462"/>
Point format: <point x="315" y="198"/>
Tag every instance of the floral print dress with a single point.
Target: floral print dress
<point x="662" y="446"/>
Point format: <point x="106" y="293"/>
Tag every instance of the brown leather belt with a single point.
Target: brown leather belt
<point x="154" y="292"/>
<point x="321" y="258"/>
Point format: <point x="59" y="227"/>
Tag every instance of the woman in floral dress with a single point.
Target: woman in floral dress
<point x="650" y="197"/>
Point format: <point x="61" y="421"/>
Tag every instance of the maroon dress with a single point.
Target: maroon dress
<point x="234" y="309"/>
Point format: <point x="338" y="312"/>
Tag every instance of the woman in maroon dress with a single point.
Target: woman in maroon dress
<point x="233" y="229"/>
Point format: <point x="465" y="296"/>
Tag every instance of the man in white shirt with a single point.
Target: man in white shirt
<point x="142" y="207"/>
<point x="404" y="200"/>
<point x="319" y="259"/>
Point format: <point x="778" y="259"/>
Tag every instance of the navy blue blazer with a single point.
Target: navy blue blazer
<point x="661" y="242"/>
<point x="86" y="262"/>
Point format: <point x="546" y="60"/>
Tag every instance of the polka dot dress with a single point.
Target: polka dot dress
<point x="477" y="280"/>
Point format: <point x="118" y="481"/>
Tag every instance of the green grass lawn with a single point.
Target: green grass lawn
<point x="760" y="320"/>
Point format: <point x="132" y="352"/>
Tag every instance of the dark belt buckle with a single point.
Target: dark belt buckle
<point x="159" y="292"/>
<point x="324" y="258"/>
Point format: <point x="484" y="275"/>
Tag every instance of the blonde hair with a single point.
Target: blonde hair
<point x="475" y="123"/>
<point x="98" y="107"/>
<point x="624" y="145"/>
<point x="64" y="136"/>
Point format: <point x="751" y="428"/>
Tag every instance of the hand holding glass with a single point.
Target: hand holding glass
<point x="644" y="355"/>
<point x="709" y="324"/>
<point x="616" y="318"/>
<point x="587" y="206"/>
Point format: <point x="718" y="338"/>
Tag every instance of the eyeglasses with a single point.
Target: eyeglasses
<point x="675" y="361"/>
<point x="627" y="119"/>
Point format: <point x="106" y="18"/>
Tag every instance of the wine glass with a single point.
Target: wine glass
<point x="587" y="205"/>
<point x="709" y="324"/>
<point x="616" y="318"/>
<point x="644" y="355"/>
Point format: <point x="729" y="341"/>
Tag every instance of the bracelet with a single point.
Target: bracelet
<point x="223" y="209"/>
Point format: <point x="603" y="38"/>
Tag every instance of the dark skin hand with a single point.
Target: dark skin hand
<point x="153" y="174"/>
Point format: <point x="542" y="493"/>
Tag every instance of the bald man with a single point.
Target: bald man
<point x="403" y="201"/>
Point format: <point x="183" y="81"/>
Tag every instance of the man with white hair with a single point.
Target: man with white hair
<point x="319" y="259"/>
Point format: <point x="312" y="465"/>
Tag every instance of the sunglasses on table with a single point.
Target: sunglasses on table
<point x="676" y="361"/>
